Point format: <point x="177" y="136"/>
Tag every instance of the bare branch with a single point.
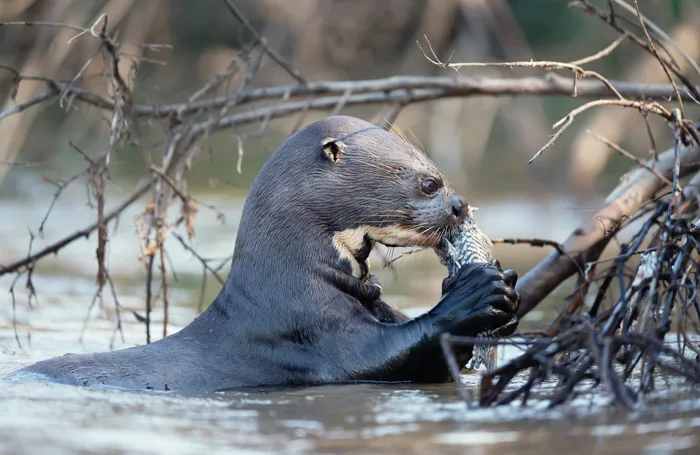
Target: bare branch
<point x="263" y="42"/>
<point x="546" y="65"/>
<point x="55" y="247"/>
<point x="589" y="240"/>
<point x="203" y="261"/>
<point x="27" y="104"/>
<point x="656" y="54"/>
<point x="647" y="23"/>
<point x="603" y="53"/>
<point x="77" y="28"/>
<point x="611" y="20"/>
<point x="627" y="154"/>
<point x="407" y="89"/>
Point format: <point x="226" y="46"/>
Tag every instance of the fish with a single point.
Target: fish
<point x="467" y="245"/>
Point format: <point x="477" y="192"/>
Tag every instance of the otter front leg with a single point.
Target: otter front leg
<point x="368" y="292"/>
<point x="463" y="353"/>
<point x="379" y="308"/>
<point x="479" y="298"/>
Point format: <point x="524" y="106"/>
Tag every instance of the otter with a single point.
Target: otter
<point x="299" y="306"/>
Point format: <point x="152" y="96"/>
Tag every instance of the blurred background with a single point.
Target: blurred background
<point x="482" y="143"/>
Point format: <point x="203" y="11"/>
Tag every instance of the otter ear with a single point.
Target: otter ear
<point x="333" y="149"/>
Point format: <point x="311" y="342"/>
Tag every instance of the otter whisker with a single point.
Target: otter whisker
<point x="422" y="224"/>
<point x="369" y="203"/>
<point x="397" y="131"/>
<point x="389" y="212"/>
<point x="391" y="209"/>
<point x="373" y="198"/>
<point x="415" y="138"/>
<point x="425" y="232"/>
<point x="392" y="213"/>
<point x="434" y="235"/>
<point x="396" y="213"/>
<point x="404" y="254"/>
<point x="421" y="229"/>
<point x="379" y="222"/>
<point x="378" y="164"/>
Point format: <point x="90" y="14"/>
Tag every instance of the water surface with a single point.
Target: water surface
<point x="359" y="418"/>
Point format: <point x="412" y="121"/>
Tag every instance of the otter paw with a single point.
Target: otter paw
<point x="480" y="298"/>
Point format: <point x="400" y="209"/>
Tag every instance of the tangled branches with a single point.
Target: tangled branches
<point x="620" y="347"/>
<point x="618" y="342"/>
<point x="613" y="330"/>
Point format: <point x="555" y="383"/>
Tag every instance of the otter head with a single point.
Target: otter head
<point x="349" y="184"/>
<point x="378" y="187"/>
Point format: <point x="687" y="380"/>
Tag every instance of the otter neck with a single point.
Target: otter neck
<point x="293" y="249"/>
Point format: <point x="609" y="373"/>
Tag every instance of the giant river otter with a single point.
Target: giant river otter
<point x="299" y="306"/>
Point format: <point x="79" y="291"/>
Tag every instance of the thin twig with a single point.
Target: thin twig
<point x="647" y="23"/>
<point x="77" y="28"/>
<point x="263" y="42"/>
<point x="164" y="278"/>
<point x="627" y="154"/>
<point x="610" y="20"/>
<point x="643" y="22"/>
<point x="55" y="247"/>
<point x="600" y="54"/>
<point x="546" y="65"/>
<point x="204" y="262"/>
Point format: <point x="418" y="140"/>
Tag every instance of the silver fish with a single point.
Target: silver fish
<point x="466" y="246"/>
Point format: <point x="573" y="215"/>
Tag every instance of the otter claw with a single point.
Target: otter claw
<point x="507" y="329"/>
<point x="485" y="299"/>
<point x="511" y="277"/>
<point x="374" y="281"/>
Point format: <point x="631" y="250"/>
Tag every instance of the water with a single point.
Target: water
<point x="333" y="419"/>
<point x="364" y="418"/>
<point x="56" y="419"/>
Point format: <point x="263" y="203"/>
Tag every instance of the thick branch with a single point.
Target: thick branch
<point x="469" y="87"/>
<point x="590" y="238"/>
<point x="414" y="88"/>
<point x="406" y="89"/>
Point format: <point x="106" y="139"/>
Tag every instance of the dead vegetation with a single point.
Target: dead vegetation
<point x="614" y="339"/>
<point x="612" y="331"/>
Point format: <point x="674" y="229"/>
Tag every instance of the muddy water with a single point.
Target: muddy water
<point x="55" y="419"/>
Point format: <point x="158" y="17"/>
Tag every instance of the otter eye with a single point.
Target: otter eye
<point x="430" y="186"/>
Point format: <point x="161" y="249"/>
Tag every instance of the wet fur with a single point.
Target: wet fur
<point x="298" y="309"/>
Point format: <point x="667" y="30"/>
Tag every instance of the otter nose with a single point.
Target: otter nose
<point x="460" y="208"/>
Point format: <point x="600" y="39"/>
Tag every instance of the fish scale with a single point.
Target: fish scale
<point x="469" y="245"/>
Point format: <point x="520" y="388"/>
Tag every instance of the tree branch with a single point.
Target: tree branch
<point x="85" y="232"/>
<point x="405" y="89"/>
<point x="263" y="42"/>
<point x="590" y="238"/>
